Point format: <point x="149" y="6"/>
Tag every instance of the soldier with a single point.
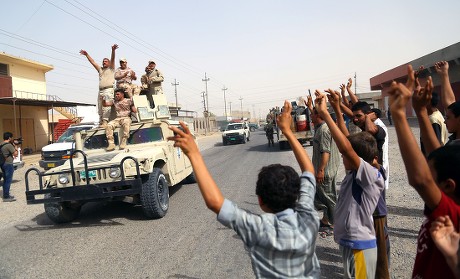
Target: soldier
<point x="106" y="81"/>
<point x="125" y="76"/>
<point x="124" y="107"/>
<point x="154" y="79"/>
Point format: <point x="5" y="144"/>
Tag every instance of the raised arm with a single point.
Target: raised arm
<point x="447" y="94"/>
<point x="340" y="139"/>
<point x="90" y="59"/>
<point x="209" y="190"/>
<point x="284" y="123"/>
<point x="309" y="104"/>
<point x="420" y="99"/>
<point x="417" y="169"/>
<point x="353" y="98"/>
<point x="344" y="98"/>
<point x="334" y="100"/>
<point x="112" y="57"/>
<point x="446" y="238"/>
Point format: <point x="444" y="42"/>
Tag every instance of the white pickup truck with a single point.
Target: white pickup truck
<point x="55" y="154"/>
<point x="236" y="132"/>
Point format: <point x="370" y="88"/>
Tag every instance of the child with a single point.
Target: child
<point x="435" y="180"/>
<point x="281" y="242"/>
<point x="359" y="194"/>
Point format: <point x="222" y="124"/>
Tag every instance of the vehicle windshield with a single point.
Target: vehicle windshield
<point x="234" y="127"/>
<point x="99" y="140"/>
<point x="67" y="136"/>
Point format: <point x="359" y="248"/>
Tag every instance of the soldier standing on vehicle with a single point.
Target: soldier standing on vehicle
<point x="123" y="107"/>
<point x="154" y="79"/>
<point x="106" y="81"/>
<point x="124" y="76"/>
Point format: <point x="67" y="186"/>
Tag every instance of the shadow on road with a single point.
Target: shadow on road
<point x="94" y="214"/>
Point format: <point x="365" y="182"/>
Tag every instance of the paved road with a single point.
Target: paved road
<point x="113" y="240"/>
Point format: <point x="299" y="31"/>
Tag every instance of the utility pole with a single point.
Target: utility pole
<point x="205" y="113"/>
<point x="253" y="112"/>
<point x="225" y="102"/>
<point x="175" y="84"/>
<point x="355" y="84"/>
<point x="241" y="102"/>
<point x="230" y="103"/>
<point x="206" y="79"/>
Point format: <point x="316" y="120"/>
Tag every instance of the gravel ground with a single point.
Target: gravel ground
<point x="404" y="206"/>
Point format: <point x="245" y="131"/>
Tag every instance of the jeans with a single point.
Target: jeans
<point x="8" y="170"/>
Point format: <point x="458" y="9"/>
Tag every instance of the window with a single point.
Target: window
<point x="3" y="69"/>
<point x="145" y="135"/>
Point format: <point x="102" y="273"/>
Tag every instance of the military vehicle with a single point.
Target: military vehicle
<point x="140" y="174"/>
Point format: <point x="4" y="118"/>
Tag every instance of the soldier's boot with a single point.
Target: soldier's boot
<point x="123" y="143"/>
<point x="103" y="124"/>
<point x="111" y="146"/>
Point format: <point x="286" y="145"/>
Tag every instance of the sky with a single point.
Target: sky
<point x="263" y="52"/>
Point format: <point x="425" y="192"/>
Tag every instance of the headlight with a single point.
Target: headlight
<point x="63" y="178"/>
<point x="67" y="154"/>
<point x="114" y="172"/>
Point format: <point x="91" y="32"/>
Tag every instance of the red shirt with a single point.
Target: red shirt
<point x="430" y="262"/>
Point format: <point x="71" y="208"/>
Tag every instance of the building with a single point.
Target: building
<point x="450" y="54"/>
<point x="24" y="103"/>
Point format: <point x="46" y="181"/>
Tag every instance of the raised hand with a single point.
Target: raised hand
<point x="83" y="52"/>
<point x="422" y="95"/>
<point x="184" y="139"/>
<point x="320" y="103"/>
<point x="445" y="237"/>
<point x="349" y="83"/>
<point x="400" y="94"/>
<point x="114" y="46"/>
<point x="342" y="89"/>
<point x="284" y="119"/>
<point x="442" y="67"/>
<point x="334" y="98"/>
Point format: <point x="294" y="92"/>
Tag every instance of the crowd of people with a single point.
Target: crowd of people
<point x="281" y="242"/>
<point x="116" y="89"/>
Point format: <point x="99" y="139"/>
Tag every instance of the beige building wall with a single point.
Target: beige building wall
<point x="27" y="77"/>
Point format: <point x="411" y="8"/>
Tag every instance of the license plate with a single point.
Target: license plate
<point x="232" y="138"/>
<point x="91" y="174"/>
<point x="50" y="165"/>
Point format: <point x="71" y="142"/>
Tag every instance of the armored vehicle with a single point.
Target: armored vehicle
<point x="141" y="173"/>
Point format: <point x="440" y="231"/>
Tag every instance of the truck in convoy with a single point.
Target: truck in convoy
<point x="140" y="174"/>
<point x="300" y="125"/>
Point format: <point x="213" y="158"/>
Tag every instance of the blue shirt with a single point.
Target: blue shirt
<point x="281" y="245"/>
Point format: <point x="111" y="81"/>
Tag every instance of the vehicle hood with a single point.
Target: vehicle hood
<point x="58" y="146"/>
<point x="239" y="131"/>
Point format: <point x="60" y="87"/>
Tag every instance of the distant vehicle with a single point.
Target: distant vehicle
<point x="253" y="127"/>
<point x="300" y="126"/>
<point x="140" y="174"/>
<point x="236" y="132"/>
<point x="55" y="154"/>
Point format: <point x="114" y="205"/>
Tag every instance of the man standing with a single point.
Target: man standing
<point x="154" y="79"/>
<point x="123" y="107"/>
<point x="124" y="76"/>
<point x="9" y="152"/>
<point x="326" y="160"/>
<point x="106" y="81"/>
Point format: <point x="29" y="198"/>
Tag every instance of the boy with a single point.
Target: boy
<point x="281" y="242"/>
<point x="359" y="193"/>
<point x="435" y="181"/>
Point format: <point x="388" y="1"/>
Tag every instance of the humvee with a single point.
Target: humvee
<point x="141" y="173"/>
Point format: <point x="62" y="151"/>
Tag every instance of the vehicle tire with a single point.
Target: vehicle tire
<point x="244" y="139"/>
<point x="61" y="212"/>
<point x="155" y="195"/>
<point x="224" y="142"/>
<point x="190" y="179"/>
